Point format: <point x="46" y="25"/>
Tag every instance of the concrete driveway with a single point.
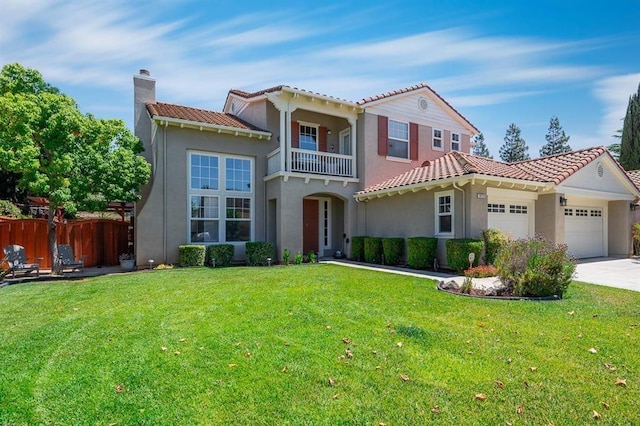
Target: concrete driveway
<point x="612" y="272"/>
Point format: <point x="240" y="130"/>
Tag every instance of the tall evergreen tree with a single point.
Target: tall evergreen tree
<point x="630" y="142"/>
<point x="557" y="140"/>
<point x="480" y="149"/>
<point x="515" y="148"/>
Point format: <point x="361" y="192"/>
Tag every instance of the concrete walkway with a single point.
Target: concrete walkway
<point x="610" y="272"/>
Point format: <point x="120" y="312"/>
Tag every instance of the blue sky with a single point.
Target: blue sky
<point x="497" y="62"/>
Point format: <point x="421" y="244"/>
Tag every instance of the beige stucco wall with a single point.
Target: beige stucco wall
<point x="476" y="215"/>
<point x="157" y="218"/>
<point x="620" y="220"/>
<point x="549" y="217"/>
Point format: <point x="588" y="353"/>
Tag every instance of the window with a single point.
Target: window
<point x="437" y="138"/>
<point x="455" y="142"/>
<point x="444" y="213"/>
<point x="568" y="212"/>
<point x="208" y="223"/>
<point x="398" y="139"/>
<point x="345" y="142"/>
<point x="495" y="208"/>
<point x="308" y="137"/>
<point x="596" y="213"/>
<point x="515" y="209"/>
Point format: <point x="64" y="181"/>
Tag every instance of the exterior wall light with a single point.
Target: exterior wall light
<point x="563" y="201"/>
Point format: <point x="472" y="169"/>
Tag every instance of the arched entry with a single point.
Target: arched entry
<point x="322" y="224"/>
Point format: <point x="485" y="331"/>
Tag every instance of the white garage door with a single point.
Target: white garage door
<point x="584" y="231"/>
<point x="512" y="218"/>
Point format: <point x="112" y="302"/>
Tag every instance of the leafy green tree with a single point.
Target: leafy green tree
<point x="514" y="148"/>
<point x="630" y="141"/>
<point x="480" y="149"/>
<point x="77" y="161"/>
<point x="557" y="140"/>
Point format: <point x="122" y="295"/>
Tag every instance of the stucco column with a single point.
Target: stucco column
<point x="283" y="131"/>
<point x="354" y="138"/>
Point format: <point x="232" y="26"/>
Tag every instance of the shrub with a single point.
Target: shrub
<point x="258" y="252"/>
<point x="481" y="271"/>
<point x="191" y="255"/>
<point x="286" y="256"/>
<point x="312" y="257"/>
<point x="392" y="249"/>
<point x="357" y="248"/>
<point x="421" y="251"/>
<point x="221" y="253"/>
<point x="373" y="250"/>
<point x="467" y="285"/>
<point x="493" y="241"/>
<point x="535" y="267"/>
<point x="635" y="232"/>
<point x="298" y="258"/>
<point x="8" y="209"/>
<point x="458" y="250"/>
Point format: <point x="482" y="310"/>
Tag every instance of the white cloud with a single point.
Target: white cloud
<point x="614" y="92"/>
<point x="488" y="99"/>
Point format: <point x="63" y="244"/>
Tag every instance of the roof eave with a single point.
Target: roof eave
<point x="212" y="127"/>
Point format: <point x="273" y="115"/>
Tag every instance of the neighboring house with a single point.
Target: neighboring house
<point x="308" y="171"/>
<point x="580" y="198"/>
<point x="279" y="165"/>
<point x="634" y="175"/>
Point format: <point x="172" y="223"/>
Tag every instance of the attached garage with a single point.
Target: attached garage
<point x="584" y="231"/>
<point x="511" y="212"/>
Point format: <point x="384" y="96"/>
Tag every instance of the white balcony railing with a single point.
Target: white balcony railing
<point x="315" y="162"/>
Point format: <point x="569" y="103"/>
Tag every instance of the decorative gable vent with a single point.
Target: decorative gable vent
<point x="423" y="104"/>
<point x="600" y="170"/>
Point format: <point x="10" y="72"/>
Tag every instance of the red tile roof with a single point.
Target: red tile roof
<point x="365" y="101"/>
<point x="552" y="169"/>
<point x="634" y="175"/>
<point x="249" y="95"/>
<point x="199" y="116"/>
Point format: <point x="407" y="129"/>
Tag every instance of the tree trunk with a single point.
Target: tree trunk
<point x="53" y="246"/>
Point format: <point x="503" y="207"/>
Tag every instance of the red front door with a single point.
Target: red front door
<point x="310" y="218"/>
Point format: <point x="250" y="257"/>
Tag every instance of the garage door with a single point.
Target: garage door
<point x="584" y="231"/>
<point x="512" y="218"/>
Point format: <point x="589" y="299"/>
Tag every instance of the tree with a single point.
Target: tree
<point x="557" y="140"/>
<point x="614" y="148"/>
<point x="77" y="161"/>
<point x="515" y="148"/>
<point x="630" y="142"/>
<point x="480" y="149"/>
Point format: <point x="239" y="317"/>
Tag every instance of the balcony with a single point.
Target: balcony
<point x="312" y="162"/>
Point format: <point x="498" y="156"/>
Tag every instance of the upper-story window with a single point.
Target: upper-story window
<point x="398" y="139"/>
<point x="455" y="141"/>
<point x="308" y="137"/>
<point x="437" y="138"/>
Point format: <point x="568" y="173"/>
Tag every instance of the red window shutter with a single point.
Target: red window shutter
<point x="383" y="134"/>
<point x="295" y="134"/>
<point x="322" y="139"/>
<point x="413" y="141"/>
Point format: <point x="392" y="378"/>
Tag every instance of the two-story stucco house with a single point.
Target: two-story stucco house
<point x="308" y="171"/>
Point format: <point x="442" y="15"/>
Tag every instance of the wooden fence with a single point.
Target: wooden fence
<point x="100" y="241"/>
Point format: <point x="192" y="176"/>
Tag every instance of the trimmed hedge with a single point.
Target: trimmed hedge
<point x="258" y="252"/>
<point x="421" y="251"/>
<point x="191" y="255"/>
<point x="373" y="250"/>
<point x="393" y="249"/>
<point x="222" y="253"/>
<point x="357" y="248"/>
<point x="493" y="242"/>
<point x="458" y="250"/>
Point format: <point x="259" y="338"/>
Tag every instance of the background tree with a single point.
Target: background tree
<point x="630" y="141"/>
<point x="614" y="148"/>
<point x="76" y="161"/>
<point x="480" y="149"/>
<point x="514" y="148"/>
<point x="557" y="140"/>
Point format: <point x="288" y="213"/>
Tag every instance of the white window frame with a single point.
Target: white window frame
<point x="345" y="147"/>
<point x="222" y="194"/>
<point x="398" y="139"/>
<point x="434" y="138"/>
<point x="302" y="124"/>
<point x="438" y="214"/>
<point x="453" y="135"/>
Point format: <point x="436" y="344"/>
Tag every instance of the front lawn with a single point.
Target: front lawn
<point x="312" y="344"/>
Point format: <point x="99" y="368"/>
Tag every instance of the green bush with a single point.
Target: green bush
<point x="535" y="267"/>
<point x="357" y="248"/>
<point x="373" y="250"/>
<point x="421" y="251"/>
<point x="458" y="250"/>
<point x="8" y="209"/>
<point x="392" y="249"/>
<point x="493" y="241"/>
<point x="286" y="257"/>
<point x="221" y="253"/>
<point x="191" y="255"/>
<point x="258" y="252"/>
<point x="298" y="258"/>
<point x="312" y="256"/>
<point x="635" y="233"/>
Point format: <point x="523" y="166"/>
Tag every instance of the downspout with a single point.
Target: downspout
<point x="464" y="215"/>
<point x="164" y="192"/>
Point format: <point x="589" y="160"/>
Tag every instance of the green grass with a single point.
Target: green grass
<point x="258" y="346"/>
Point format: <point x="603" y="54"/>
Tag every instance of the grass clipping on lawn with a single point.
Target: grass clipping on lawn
<point x="313" y="344"/>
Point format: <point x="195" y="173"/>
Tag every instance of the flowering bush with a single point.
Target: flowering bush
<point x="481" y="271"/>
<point x="535" y="267"/>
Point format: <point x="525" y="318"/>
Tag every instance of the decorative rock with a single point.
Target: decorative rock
<point x="450" y="285"/>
